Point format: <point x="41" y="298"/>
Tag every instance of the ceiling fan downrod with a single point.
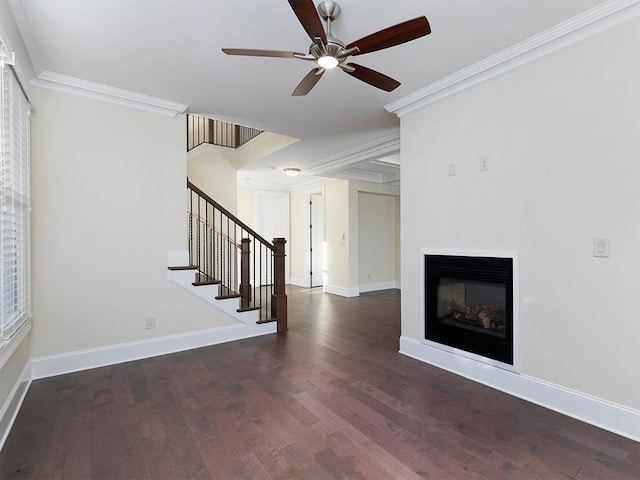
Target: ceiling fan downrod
<point x="329" y="11"/>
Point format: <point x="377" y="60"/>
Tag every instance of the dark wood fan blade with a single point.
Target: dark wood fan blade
<point x="308" y="82"/>
<point x="392" y="36"/>
<point x="305" y="10"/>
<point x="261" y="53"/>
<point x="372" y="77"/>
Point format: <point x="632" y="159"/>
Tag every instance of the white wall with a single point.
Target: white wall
<point x="563" y="136"/>
<point x="338" y="237"/>
<point x="247" y="206"/>
<point x="108" y="187"/>
<point x="214" y="174"/>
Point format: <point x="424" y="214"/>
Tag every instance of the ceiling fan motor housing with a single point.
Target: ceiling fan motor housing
<point x="328" y="11"/>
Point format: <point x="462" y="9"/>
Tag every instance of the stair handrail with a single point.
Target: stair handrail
<point x="252" y="269"/>
<point x="238" y="222"/>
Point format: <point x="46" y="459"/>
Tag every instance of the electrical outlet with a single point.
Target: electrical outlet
<point x="452" y="169"/>
<point x="150" y="322"/>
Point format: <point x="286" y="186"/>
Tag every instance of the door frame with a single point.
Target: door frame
<point x="307" y="236"/>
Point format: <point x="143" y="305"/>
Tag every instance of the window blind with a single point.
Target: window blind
<point x="15" y="291"/>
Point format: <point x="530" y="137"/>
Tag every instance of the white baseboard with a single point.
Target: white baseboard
<point x="50" y="366"/>
<point x="607" y="415"/>
<point x="374" y="287"/>
<point x="43" y="367"/>
<point x="12" y="405"/>
<point x="342" y="291"/>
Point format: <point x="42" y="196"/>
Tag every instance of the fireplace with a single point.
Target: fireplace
<point x="469" y="305"/>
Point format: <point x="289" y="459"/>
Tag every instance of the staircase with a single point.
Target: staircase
<point x="230" y="266"/>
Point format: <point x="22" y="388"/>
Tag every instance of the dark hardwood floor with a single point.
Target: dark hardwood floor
<point x="330" y="399"/>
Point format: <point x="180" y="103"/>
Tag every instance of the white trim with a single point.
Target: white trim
<point x="211" y="148"/>
<point x="342" y="291"/>
<point x="12" y="405"/>
<point x="97" y="91"/>
<point x="8" y="347"/>
<point x="593" y="22"/>
<point x="49" y="366"/>
<point x="516" y="304"/>
<point x="25" y="33"/>
<point x="378" y="148"/>
<point x="359" y="175"/>
<point x="304" y="183"/>
<point x="607" y="415"/>
<point x="374" y="287"/>
<point x="310" y="185"/>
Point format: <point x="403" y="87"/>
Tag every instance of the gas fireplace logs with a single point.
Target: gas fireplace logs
<point x="486" y="316"/>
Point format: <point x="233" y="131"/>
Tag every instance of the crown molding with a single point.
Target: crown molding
<point x="375" y="149"/>
<point x="359" y="175"/>
<point x="97" y="91"/>
<point x="593" y="22"/>
<point x="25" y="33"/>
<point x="299" y="185"/>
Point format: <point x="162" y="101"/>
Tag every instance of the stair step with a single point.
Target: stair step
<point x="183" y="267"/>
<point x="248" y="309"/>
<point x="204" y="279"/>
<point x="226" y="292"/>
<point x="230" y="295"/>
<point x="269" y="320"/>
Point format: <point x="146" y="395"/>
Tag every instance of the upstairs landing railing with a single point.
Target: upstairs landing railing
<point x="228" y="252"/>
<point x="217" y="132"/>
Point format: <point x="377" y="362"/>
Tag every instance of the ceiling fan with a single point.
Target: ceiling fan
<point x="329" y="52"/>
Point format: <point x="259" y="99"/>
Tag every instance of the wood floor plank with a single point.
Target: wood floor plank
<point x="351" y="441"/>
<point x="331" y="399"/>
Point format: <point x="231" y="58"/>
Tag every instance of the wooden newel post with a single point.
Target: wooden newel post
<point x="279" y="297"/>
<point x="245" y="273"/>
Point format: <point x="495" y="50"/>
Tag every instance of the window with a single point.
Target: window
<point x="15" y="288"/>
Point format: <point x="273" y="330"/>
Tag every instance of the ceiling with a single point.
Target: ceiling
<point x="171" y="49"/>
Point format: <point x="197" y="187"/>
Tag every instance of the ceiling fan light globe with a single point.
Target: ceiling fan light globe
<point x="328" y="62"/>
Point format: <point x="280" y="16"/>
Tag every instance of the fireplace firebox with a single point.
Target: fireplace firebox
<point x="469" y="304"/>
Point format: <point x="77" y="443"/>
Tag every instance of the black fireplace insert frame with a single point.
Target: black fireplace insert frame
<point x="496" y="270"/>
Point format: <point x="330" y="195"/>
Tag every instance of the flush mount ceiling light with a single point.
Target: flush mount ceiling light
<point x="292" y="172"/>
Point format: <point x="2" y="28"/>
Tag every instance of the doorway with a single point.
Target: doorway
<point x="316" y="240"/>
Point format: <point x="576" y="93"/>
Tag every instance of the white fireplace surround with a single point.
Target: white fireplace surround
<point x="447" y="350"/>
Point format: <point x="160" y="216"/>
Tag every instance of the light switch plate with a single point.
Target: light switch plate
<point x="601" y="247"/>
<point x="485" y="163"/>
